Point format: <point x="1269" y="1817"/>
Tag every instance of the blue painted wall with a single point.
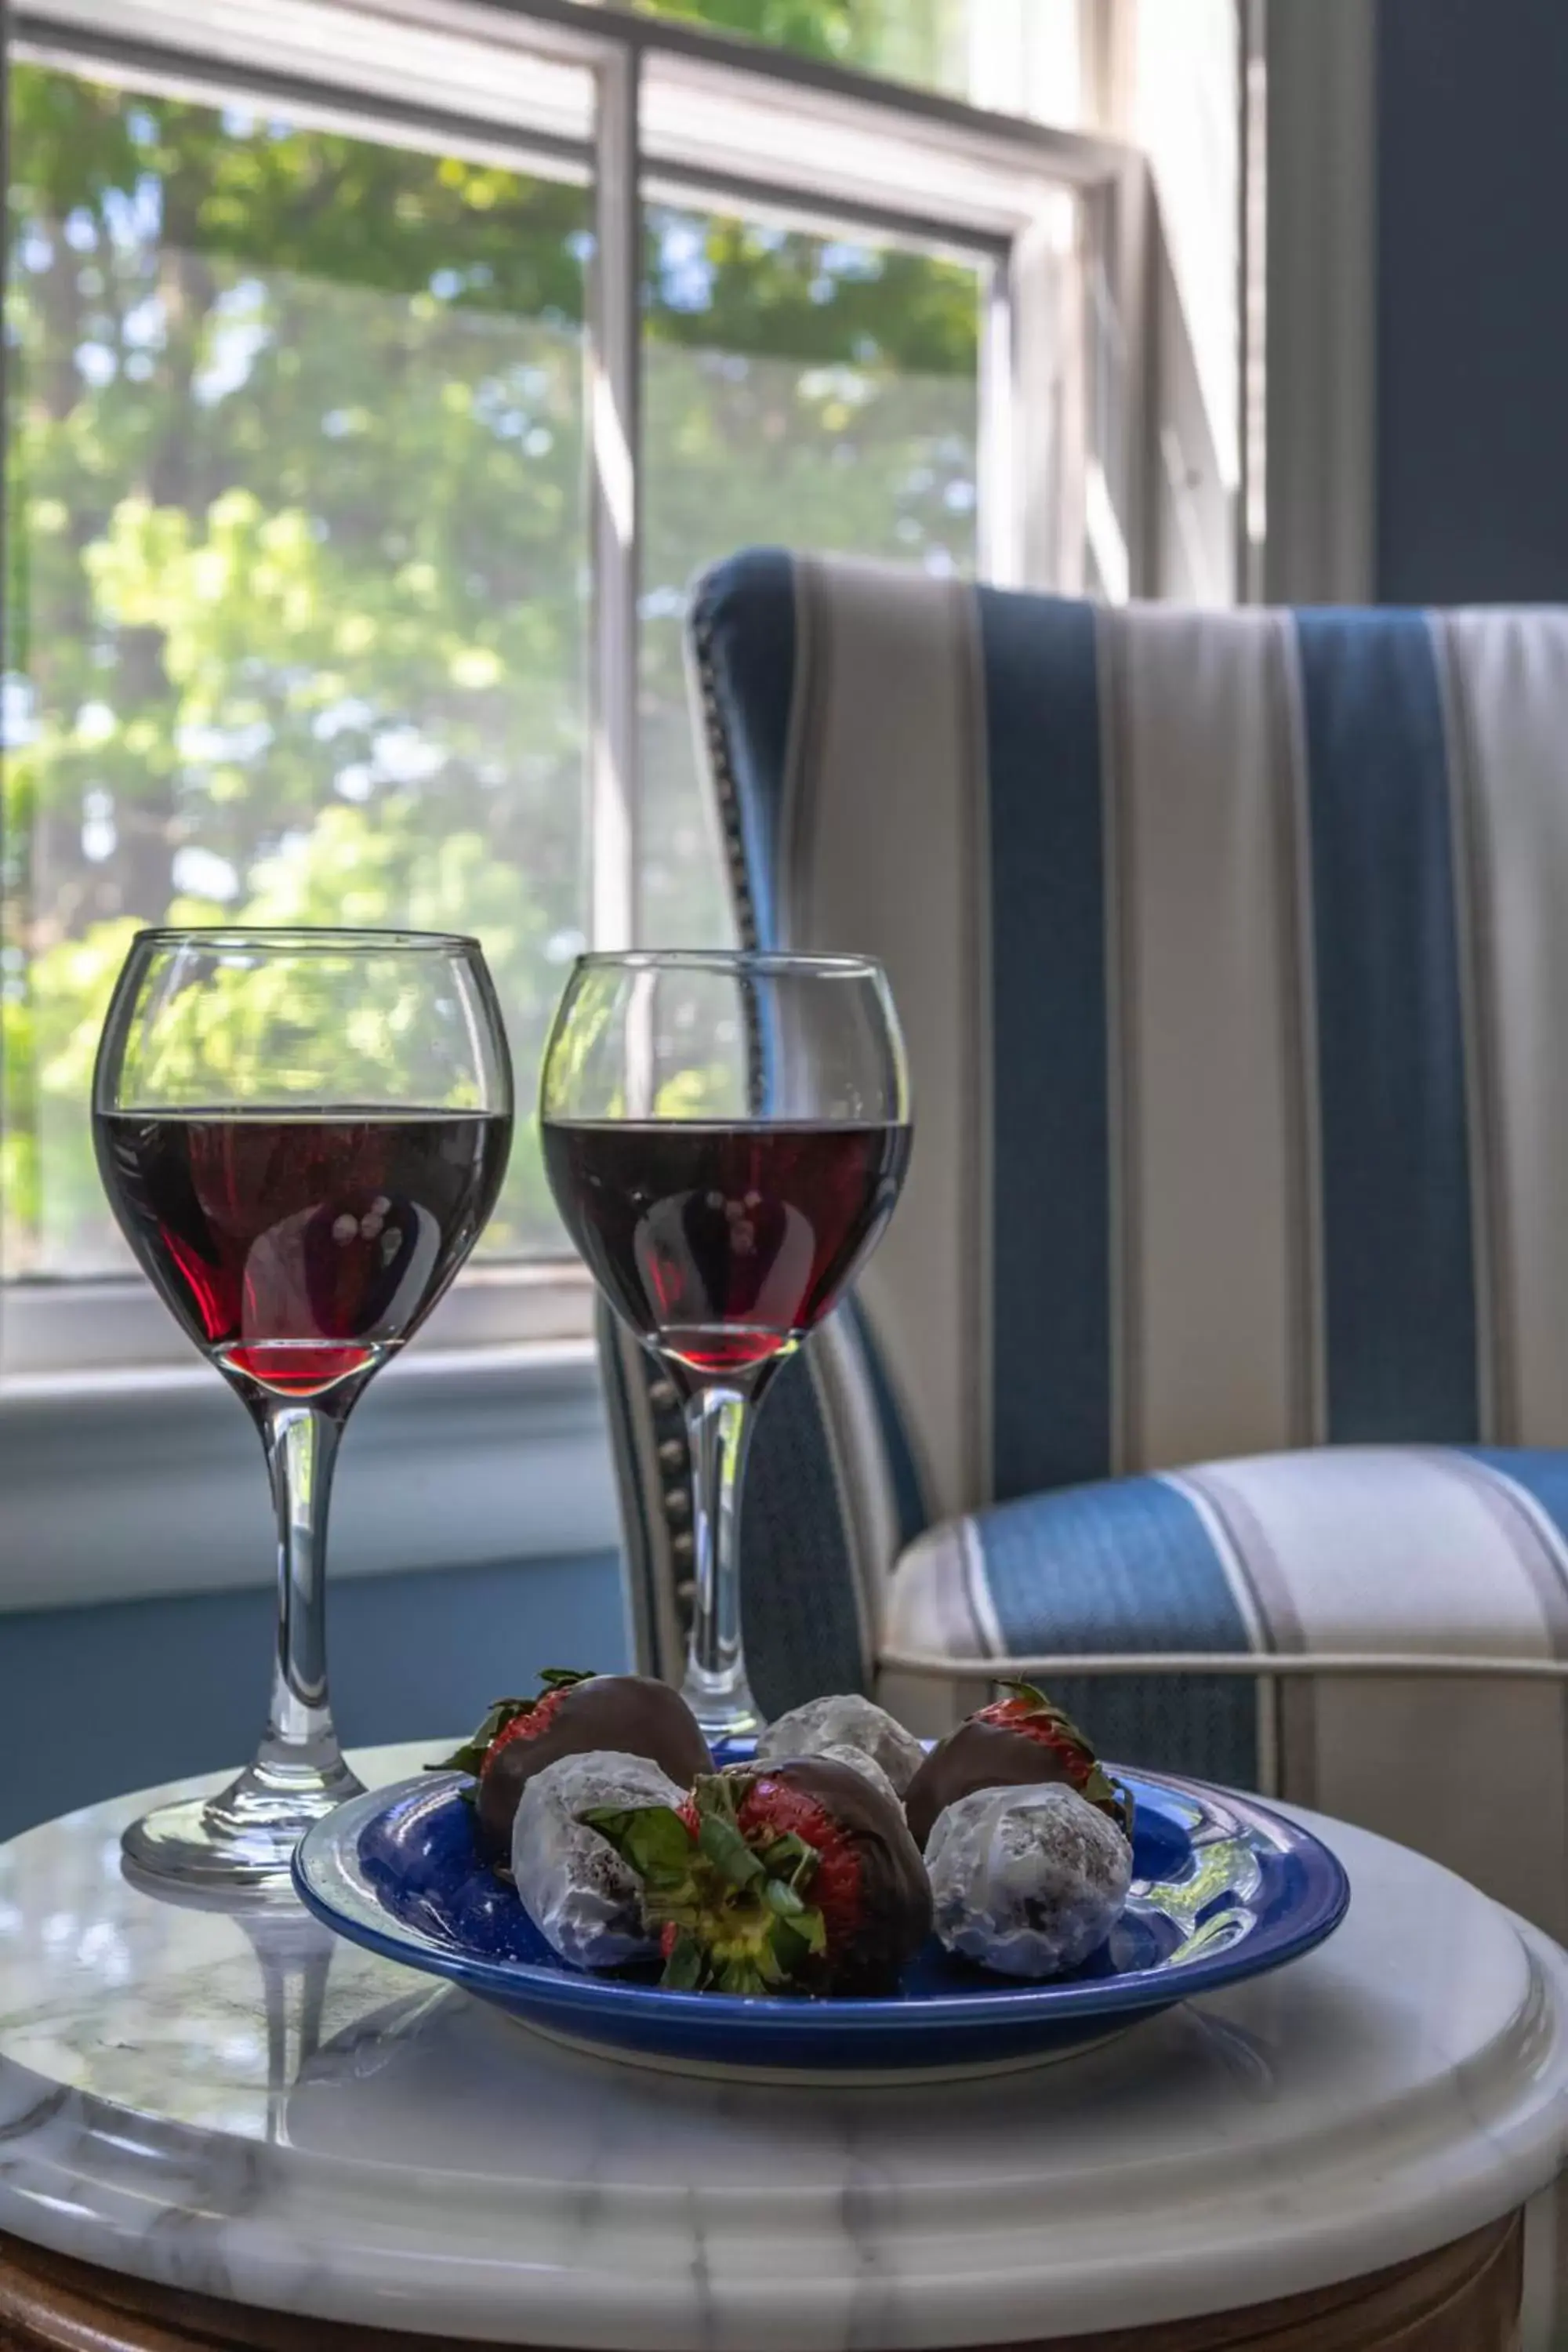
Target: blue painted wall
<point x="1472" y="434"/>
<point x="93" y="1701"/>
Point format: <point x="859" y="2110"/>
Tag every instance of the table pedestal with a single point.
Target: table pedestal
<point x="1462" y="2299"/>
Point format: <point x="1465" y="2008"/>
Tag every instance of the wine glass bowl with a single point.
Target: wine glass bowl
<point x="723" y="1245"/>
<point x="301" y="1134"/>
<point x="725" y="1134"/>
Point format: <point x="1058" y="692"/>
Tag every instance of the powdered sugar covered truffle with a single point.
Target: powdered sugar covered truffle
<point x="846" y="1720"/>
<point x="584" y="1899"/>
<point x="1029" y="1881"/>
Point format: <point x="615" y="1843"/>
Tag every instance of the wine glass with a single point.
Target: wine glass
<point x="301" y="1134"/>
<point x="725" y="1134"/>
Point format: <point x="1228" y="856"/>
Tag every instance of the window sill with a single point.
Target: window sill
<point x="123" y="1484"/>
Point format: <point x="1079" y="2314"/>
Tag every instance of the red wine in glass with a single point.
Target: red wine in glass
<point x="299" y="1252"/>
<point x="302" y="1131"/>
<point x="726" y="1132"/>
<point x="723" y="1243"/>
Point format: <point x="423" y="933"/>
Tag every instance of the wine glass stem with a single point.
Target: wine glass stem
<point x="301" y="1446"/>
<point x="718" y="1429"/>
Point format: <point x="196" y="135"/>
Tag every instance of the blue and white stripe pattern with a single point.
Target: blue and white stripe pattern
<point x="1355" y="1571"/>
<point x="1232" y="951"/>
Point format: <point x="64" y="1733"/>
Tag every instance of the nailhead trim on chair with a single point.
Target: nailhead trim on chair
<point x="673" y="1542"/>
<point x="723" y="775"/>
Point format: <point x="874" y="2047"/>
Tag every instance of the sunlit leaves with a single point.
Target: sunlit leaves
<point x="922" y="41"/>
<point x="745" y="286"/>
<point x="818" y="29"/>
<point x="298" y="574"/>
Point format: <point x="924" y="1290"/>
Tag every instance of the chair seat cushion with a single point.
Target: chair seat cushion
<point x="1413" y="1600"/>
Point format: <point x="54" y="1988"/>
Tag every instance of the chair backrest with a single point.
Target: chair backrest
<point x="1232" y="951"/>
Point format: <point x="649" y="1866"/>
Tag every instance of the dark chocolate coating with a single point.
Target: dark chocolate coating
<point x="896" y="1908"/>
<point x="976" y="1755"/>
<point x="631" y="1714"/>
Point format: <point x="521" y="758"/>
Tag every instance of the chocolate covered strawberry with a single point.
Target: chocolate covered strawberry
<point x="1014" y="1742"/>
<point x="573" y="1715"/>
<point x="796" y="1876"/>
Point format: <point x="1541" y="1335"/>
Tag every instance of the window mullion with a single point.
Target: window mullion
<point x="614" y="364"/>
<point x="1045" y="358"/>
<point x="1140" y="401"/>
<point x="6" y="617"/>
<point x="1001" y="532"/>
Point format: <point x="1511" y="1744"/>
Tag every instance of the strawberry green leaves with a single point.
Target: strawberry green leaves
<point x="736" y="1917"/>
<point x="471" y="1756"/>
<point x="686" y="1969"/>
<point x="1030" y="1711"/>
<point x="721" y="1843"/>
<point x="1037" y="1707"/>
<point x="652" y="1837"/>
<point x="501" y="1713"/>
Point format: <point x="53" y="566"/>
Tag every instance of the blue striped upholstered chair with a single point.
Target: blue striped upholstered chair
<point x="1216" y="1359"/>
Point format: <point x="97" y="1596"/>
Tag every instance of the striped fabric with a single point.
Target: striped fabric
<point x="1232" y="951"/>
<point x="1364" y="1565"/>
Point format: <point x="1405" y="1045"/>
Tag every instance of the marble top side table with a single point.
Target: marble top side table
<point x="223" y="2130"/>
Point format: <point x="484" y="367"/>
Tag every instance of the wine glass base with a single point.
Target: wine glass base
<point x="724" y="1715"/>
<point x="242" y="1841"/>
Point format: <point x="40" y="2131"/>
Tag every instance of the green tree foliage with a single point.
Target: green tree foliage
<point x="918" y="41"/>
<point x="297" y="557"/>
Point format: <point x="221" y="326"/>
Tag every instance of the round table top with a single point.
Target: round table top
<point x="238" y="2104"/>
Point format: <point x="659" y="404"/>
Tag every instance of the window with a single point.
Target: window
<point x="298" y="597"/>
<point x="371" y="405"/>
<point x="1022" y="57"/>
<point x="820" y="389"/>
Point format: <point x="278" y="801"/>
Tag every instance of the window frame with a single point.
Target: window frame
<point x="104" y="1351"/>
<point x="993" y="179"/>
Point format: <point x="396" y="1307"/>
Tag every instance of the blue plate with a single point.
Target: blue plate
<point x="1224" y="1888"/>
